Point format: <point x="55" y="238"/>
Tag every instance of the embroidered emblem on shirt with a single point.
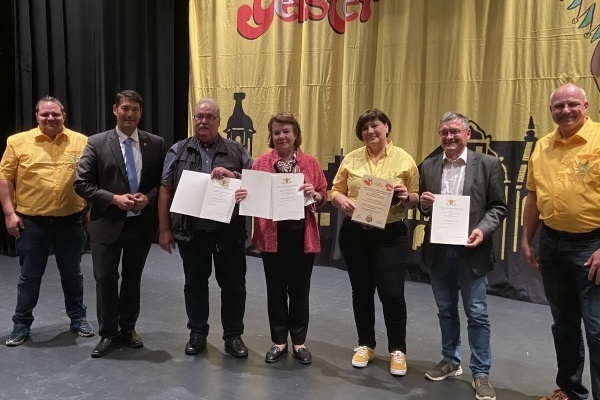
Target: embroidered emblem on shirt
<point x="583" y="168"/>
<point x="73" y="162"/>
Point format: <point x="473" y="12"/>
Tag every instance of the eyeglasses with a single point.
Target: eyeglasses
<point x="450" y="132"/>
<point x="208" y="117"/>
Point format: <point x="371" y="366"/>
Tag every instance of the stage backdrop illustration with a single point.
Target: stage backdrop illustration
<point x="327" y="61"/>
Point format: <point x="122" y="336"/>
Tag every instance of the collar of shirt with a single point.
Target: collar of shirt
<point x="582" y="136"/>
<point x="386" y="149"/>
<point x="39" y="134"/>
<point x="463" y="157"/>
<point x="122" y="137"/>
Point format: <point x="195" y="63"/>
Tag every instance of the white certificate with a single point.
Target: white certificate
<point x="273" y="196"/>
<point x="189" y="195"/>
<point x="373" y="201"/>
<point x="219" y="199"/>
<point x="287" y="199"/>
<point x="200" y="196"/>
<point x="450" y="219"/>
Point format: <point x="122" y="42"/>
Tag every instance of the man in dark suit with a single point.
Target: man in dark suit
<point x="119" y="174"/>
<point x="460" y="171"/>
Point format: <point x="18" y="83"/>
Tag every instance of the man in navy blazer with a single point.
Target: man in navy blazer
<point x="454" y="268"/>
<point x="119" y="175"/>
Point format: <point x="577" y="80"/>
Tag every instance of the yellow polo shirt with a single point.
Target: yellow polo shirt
<point x="565" y="174"/>
<point x="43" y="171"/>
<point x="395" y="165"/>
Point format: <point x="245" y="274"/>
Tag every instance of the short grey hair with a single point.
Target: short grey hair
<point x="212" y="102"/>
<point x="451" y="115"/>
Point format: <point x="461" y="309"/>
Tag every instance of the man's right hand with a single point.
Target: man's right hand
<point x="166" y="240"/>
<point x="14" y="224"/>
<point x="530" y="255"/>
<point x="124" y="201"/>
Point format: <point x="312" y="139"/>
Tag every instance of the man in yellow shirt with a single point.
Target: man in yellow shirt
<point x="43" y="212"/>
<point x="563" y="184"/>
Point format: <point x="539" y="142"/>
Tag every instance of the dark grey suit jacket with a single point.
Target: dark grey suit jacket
<point x="484" y="183"/>
<point x="101" y="174"/>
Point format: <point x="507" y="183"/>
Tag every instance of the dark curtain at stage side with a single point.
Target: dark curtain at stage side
<point x="85" y="51"/>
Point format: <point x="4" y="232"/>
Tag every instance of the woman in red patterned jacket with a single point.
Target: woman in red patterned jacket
<point x="288" y="247"/>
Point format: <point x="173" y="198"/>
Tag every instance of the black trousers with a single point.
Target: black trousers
<point x="376" y="259"/>
<point x="230" y="271"/>
<point x="287" y="274"/>
<point x="120" y="307"/>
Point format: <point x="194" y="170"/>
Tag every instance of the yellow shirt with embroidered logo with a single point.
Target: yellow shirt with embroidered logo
<point x="43" y="171"/>
<point x="395" y="165"/>
<point x="565" y="174"/>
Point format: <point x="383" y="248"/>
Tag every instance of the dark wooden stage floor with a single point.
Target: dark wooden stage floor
<point x="56" y="364"/>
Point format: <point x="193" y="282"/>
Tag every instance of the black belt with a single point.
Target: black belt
<point x="571" y="236"/>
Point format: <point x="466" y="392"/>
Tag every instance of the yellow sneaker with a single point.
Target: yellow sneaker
<point x="398" y="363"/>
<point x="362" y="356"/>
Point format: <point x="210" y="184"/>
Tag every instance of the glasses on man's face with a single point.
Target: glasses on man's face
<point x="207" y="117"/>
<point x="450" y="132"/>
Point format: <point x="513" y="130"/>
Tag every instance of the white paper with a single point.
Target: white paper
<point x="189" y="195"/>
<point x="258" y="201"/>
<point x="219" y="200"/>
<point x="200" y="196"/>
<point x="287" y="199"/>
<point x="273" y="196"/>
<point x="450" y="219"/>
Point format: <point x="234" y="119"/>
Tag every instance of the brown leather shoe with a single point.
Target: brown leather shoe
<point x="558" y="394"/>
<point x="131" y="339"/>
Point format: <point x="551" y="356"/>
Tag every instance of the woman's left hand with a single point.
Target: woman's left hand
<point x="401" y="192"/>
<point x="309" y="190"/>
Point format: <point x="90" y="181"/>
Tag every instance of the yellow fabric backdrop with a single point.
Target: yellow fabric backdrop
<point x="496" y="61"/>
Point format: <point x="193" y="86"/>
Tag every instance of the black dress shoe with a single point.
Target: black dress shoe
<point x="195" y="345"/>
<point x="131" y="338"/>
<point x="236" y="347"/>
<point x="303" y="356"/>
<point x="105" y="346"/>
<point x="274" y="354"/>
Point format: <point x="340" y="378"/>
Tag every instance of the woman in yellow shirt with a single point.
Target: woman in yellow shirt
<point x="376" y="258"/>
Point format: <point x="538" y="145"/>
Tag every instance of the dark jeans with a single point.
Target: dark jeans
<point x="65" y="236"/>
<point x="451" y="273"/>
<point x="572" y="297"/>
<point x="376" y="259"/>
<point x="230" y="271"/>
<point x="120" y="306"/>
<point x="287" y="274"/>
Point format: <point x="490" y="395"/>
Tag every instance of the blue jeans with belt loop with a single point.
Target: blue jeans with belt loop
<point x="63" y="235"/>
<point x="572" y="297"/>
<point x="451" y="273"/>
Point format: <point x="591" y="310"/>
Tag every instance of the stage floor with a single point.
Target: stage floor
<point x="55" y="363"/>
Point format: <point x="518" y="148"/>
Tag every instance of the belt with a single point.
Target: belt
<point x="572" y="236"/>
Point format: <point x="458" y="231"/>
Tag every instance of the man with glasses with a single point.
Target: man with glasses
<point x="119" y="174"/>
<point x="454" y="268"/>
<point x="43" y="213"/>
<point x="563" y="193"/>
<point x="201" y="241"/>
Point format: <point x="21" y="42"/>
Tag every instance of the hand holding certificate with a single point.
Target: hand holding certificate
<point x="450" y="219"/>
<point x="200" y="196"/>
<point x="373" y="202"/>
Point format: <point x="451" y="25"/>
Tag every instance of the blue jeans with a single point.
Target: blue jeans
<point x="572" y="297"/>
<point x="451" y="273"/>
<point x="41" y="234"/>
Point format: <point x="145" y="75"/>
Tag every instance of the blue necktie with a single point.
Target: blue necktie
<point x="130" y="165"/>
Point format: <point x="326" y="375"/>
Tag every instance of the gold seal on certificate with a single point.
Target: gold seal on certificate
<point x="373" y="202"/>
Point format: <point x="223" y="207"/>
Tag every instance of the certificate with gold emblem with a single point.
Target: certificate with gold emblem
<point x="450" y="219"/>
<point x="373" y="202"/>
